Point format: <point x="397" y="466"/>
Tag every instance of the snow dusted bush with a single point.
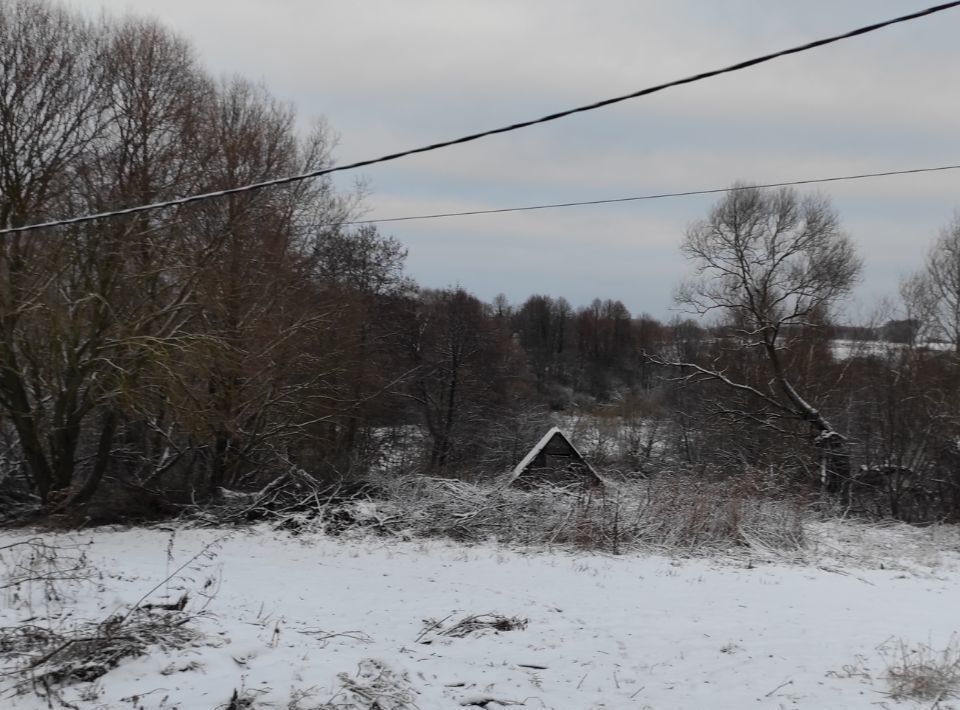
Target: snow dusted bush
<point x="923" y="673"/>
<point x="51" y="650"/>
<point x="85" y="652"/>
<point x="676" y="514"/>
<point x="374" y="686"/>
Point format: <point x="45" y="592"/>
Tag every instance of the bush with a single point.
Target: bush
<point x="673" y="514"/>
<point x="923" y="673"/>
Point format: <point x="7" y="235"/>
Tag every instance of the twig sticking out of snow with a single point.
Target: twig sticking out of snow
<point x="324" y="636"/>
<point x="206" y="551"/>
<point x="36" y="562"/>
<point x="784" y="684"/>
<point x="483" y="701"/>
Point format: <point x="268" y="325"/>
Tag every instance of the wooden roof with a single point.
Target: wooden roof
<point x="552" y="438"/>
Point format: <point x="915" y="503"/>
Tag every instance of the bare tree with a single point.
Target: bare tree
<point x="179" y="334"/>
<point x="462" y="360"/>
<point x="52" y="111"/>
<point x="362" y="271"/>
<point x="100" y="116"/>
<point x="932" y="295"/>
<point x="252" y="375"/>
<point x="774" y="265"/>
<point x="134" y="274"/>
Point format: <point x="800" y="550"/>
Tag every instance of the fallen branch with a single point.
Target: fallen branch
<point x="782" y="685"/>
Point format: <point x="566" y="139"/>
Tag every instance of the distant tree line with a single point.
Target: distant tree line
<point x="168" y="357"/>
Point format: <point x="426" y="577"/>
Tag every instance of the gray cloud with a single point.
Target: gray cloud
<point x="391" y="75"/>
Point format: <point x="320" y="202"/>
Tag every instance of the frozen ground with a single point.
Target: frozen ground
<point x="845" y="349"/>
<point x="317" y="622"/>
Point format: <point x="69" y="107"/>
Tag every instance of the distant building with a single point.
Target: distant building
<point x="554" y="459"/>
<point x="901" y="331"/>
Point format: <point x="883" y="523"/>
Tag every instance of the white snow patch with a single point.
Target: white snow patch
<point x="311" y="619"/>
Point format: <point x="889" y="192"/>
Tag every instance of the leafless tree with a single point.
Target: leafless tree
<point x="932" y="295"/>
<point x="773" y="265"/>
<point x="253" y="376"/>
<point x="124" y="344"/>
<point x="362" y="271"/>
<point x="52" y="110"/>
<point x="461" y="360"/>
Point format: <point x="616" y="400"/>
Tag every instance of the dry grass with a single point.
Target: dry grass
<point x="44" y="659"/>
<point x="57" y="650"/>
<point x="468" y="625"/>
<point x="37" y="570"/>
<point x="677" y="515"/>
<point x="921" y="672"/>
<point x="374" y="686"/>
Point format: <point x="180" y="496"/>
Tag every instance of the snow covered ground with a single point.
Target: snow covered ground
<point x="845" y="349"/>
<point x="319" y="622"/>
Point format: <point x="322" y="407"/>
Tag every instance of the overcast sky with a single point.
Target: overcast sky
<point x="391" y="74"/>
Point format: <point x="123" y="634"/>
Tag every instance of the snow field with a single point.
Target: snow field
<point x="286" y="615"/>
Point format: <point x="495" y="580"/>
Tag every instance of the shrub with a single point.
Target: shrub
<point x="922" y="672"/>
<point x="672" y="514"/>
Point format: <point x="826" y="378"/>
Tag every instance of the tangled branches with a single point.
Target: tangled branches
<point x="44" y="659"/>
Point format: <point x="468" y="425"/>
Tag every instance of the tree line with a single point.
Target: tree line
<point x="173" y="355"/>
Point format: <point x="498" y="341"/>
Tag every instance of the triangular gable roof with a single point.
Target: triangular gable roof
<point x="532" y="454"/>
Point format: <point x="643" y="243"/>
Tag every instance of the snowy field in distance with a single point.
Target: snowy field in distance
<point x="845" y="349"/>
<point x="635" y="631"/>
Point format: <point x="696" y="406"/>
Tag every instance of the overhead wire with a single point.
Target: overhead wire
<point x="639" y="198"/>
<point x="177" y="202"/>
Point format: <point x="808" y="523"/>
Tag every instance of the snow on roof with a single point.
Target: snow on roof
<point x="528" y="459"/>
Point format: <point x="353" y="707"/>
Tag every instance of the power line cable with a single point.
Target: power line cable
<point x="484" y="134"/>
<point x="638" y="198"/>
